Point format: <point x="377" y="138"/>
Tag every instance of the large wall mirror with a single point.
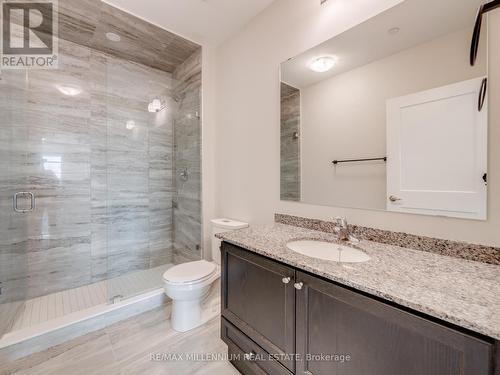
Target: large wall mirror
<point x="390" y="115"/>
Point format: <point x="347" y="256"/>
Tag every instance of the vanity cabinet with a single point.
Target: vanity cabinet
<point x="281" y="320"/>
<point x="372" y="337"/>
<point x="259" y="299"/>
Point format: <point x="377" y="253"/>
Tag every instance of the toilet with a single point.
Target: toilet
<point x="188" y="284"/>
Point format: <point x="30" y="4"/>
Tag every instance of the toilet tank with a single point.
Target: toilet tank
<point x="221" y="226"/>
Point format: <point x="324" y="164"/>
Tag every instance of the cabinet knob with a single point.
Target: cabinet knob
<point x="298" y="286"/>
<point x="286" y="280"/>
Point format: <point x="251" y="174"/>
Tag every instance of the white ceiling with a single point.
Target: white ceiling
<point x="419" y="21"/>
<point x="202" y="21"/>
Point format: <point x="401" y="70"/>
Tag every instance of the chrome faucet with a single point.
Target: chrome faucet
<point x="342" y="230"/>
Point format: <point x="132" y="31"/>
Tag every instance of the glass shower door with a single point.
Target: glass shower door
<point x="45" y="224"/>
<point x="13" y="233"/>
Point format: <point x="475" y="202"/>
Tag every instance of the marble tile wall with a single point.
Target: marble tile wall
<point x="100" y="166"/>
<point x="187" y="160"/>
<point x="290" y="143"/>
<point x="138" y="171"/>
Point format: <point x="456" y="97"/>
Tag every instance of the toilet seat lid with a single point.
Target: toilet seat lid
<point x="189" y="272"/>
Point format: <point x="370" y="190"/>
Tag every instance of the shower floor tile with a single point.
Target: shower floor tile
<point x="56" y="305"/>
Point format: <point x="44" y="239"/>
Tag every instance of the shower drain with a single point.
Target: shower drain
<point x="116" y="299"/>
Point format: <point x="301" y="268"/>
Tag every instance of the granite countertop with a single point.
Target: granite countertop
<point x="465" y="293"/>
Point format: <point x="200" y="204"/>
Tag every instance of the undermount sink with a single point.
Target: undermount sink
<point x="328" y="251"/>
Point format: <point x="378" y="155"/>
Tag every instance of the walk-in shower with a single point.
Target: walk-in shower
<point x="99" y="166"/>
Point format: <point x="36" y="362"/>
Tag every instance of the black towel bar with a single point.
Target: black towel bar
<point x="355" y="160"/>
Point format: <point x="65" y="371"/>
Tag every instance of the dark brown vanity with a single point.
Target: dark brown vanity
<point x="277" y="319"/>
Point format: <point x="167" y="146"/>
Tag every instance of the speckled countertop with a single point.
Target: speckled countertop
<point x="462" y="292"/>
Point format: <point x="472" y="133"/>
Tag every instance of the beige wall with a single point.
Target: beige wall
<point x="247" y="134"/>
<point x="344" y="117"/>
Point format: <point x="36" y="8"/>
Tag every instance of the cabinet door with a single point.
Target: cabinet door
<point x="257" y="301"/>
<point x="378" y="338"/>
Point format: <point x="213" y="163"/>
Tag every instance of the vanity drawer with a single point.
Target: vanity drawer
<point x="240" y="350"/>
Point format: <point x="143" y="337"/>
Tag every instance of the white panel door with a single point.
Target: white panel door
<point x="437" y="152"/>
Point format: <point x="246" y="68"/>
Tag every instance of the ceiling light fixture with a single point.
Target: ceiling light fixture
<point x="113" y="37"/>
<point x="322" y="64"/>
<point x="130" y="124"/>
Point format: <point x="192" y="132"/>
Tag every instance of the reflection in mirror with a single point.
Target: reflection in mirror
<point x="385" y="116"/>
<point x="290" y="145"/>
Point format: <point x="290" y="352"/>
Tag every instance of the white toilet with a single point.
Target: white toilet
<point x="188" y="284"/>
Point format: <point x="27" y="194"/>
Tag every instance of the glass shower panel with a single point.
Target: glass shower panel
<point x="187" y="162"/>
<point x="58" y="174"/>
<point x="46" y="259"/>
<point x="139" y="177"/>
<point x="13" y="235"/>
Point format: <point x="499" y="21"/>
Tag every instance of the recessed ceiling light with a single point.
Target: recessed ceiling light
<point x="322" y="64"/>
<point x="69" y="90"/>
<point x="113" y="37"/>
<point x="130" y="124"/>
<point x="394" y="30"/>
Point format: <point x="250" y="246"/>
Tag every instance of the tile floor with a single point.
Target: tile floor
<point x="126" y="348"/>
<point x="48" y="307"/>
